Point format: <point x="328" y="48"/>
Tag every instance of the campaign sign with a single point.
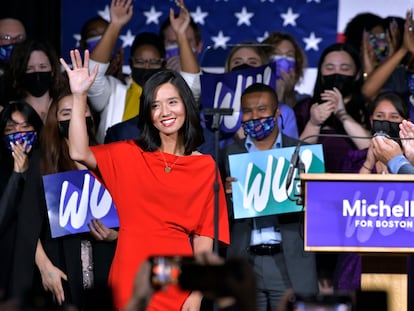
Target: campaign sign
<point x="73" y="199"/>
<point x="224" y="91"/>
<point x="359" y="215"/>
<point x="261" y="176"/>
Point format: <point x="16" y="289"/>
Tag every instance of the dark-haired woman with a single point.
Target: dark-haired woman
<point x="34" y="75"/>
<point x="78" y="259"/>
<point x="337" y="107"/>
<point x="20" y="222"/>
<point x="161" y="185"/>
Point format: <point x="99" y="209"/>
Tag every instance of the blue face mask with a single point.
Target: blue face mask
<point x="259" y="129"/>
<point x="5" y="52"/>
<point x="284" y="63"/>
<point x="92" y="42"/>
<point x="171" y="50"/>
<point x="21" y="138"/>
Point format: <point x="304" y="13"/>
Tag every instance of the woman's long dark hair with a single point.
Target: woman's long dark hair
<point x="191" y="131"/>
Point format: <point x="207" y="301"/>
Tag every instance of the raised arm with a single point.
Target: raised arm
<point x="180" y="25"/>
<point x="80" y="81"/>
<point x="121" y="14"/>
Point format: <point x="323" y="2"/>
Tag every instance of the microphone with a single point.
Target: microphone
<point x="294" y="161"/>
<point x="219" y="111"/>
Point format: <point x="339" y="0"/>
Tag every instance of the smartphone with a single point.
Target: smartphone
<point x="190" y="275"/>
<point x="333" y="302"/>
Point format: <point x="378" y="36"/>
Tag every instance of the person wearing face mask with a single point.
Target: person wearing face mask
<point x="79" y="263"/>
<point x="34" y="75"/>
<point x="168" y="36"/>
<point x="335" y="117"/>
<point x="387" y="112"/>
<point x="12" y="32"/>
<point x="337" y="107"/>
<point x="290" y="60"/>
<point x="248" y="55"/>
<point x="20" y="221"/>
<point x="116" y="102"/>
<point x="272" y="244"/>
<point x="91" y="34"/>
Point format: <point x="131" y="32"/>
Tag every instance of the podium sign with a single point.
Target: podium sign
<point x="362" y="213"/>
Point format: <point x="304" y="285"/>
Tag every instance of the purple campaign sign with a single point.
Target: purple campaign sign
<point x="359" y="214"/>
<point x="73" y="199"/>
<point x="224" y="91"/>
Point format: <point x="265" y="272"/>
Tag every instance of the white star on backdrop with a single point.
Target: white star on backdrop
<point x="265" y="35"/>
<point x="317" y="1"/>
<point x="220" y="40"/>
<point x="289" y="18"/>
<point x="152" y="16"/>
<point x="127" y="39"/>
<point x="312" y="42"/>
<point x="199" y="16"/>
<point x="105" y="13"/>
<point x="243" y="17"/>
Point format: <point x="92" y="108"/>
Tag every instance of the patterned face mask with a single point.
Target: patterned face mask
<point x="259" y="129"/>
<point x="379" y="45"/>
<point x="20" y="137"/>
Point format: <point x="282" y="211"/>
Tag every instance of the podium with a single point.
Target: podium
<point x="372" y="215"/>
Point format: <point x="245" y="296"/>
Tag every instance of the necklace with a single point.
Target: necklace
<point x="168" y="167"/>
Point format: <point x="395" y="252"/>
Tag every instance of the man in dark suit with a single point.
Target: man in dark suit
<point x="273" y="244"/>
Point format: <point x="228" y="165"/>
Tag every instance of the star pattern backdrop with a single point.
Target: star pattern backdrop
<point x="222" y="22"/>
<point x="314" y="23"/>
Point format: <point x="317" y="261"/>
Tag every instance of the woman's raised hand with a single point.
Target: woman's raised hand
<point x="80" y="79"/>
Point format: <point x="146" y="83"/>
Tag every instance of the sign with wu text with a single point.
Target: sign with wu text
<point x="74" y="199"/>
<point x="260" y="188"/>
<point x="224" y="91"/>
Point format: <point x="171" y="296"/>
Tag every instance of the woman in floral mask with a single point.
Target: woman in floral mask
<point x="20" y="222"/>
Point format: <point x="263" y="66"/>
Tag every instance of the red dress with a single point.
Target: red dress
<point x="158" y="211"/>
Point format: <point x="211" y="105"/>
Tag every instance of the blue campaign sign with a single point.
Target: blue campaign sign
<point x="260" y="188"/>
<point x="224" y="91"/>
<point x="75" y="198"/>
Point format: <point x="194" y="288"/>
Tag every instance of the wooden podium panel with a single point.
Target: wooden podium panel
<point x="370" y="214"/>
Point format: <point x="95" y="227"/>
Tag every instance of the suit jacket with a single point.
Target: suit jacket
<point x="406" y="169"/>
<point x="301" y="265"/>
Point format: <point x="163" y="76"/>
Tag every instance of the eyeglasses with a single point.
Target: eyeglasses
<point x="150" y="63"/>
<point x="17" y="39"/>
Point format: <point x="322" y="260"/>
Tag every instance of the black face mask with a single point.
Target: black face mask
<point x="392" y="129"/>
<point x="241" y="67"/>
<point x="141" y="75"/>
<point x="64" y="127"/>
<point x="343" y="83"/>
<point x="37" y="83"/>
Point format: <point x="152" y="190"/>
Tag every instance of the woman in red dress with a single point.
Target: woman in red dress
<point x="162" y="187"/>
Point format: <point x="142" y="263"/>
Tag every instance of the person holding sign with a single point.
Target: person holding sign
<point x="162" y="187"/>
<point x="273" y="244"/>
